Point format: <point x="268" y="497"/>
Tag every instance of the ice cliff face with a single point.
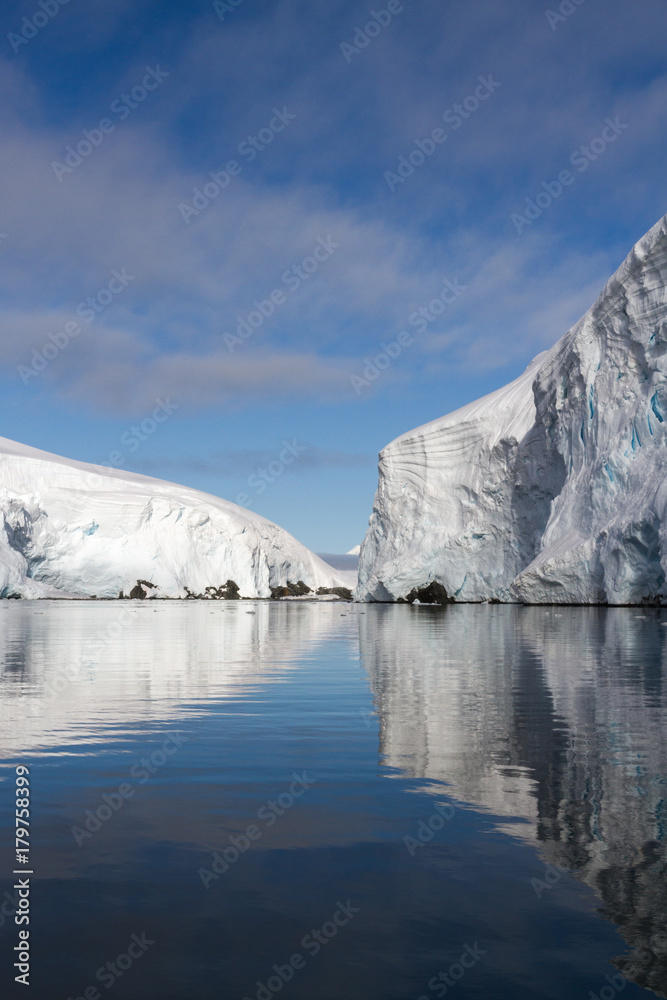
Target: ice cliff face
<point x="71" y="529"/>
<point x="552" y="489"/>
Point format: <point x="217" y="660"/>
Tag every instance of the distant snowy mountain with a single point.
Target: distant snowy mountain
<point x="552" y="489"/>
<point x="71" y="529"/>
<point x="355" y="551"/>
<point x="346" y="567"/>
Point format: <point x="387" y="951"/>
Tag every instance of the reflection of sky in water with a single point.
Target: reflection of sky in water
<point x="548" y="724"/>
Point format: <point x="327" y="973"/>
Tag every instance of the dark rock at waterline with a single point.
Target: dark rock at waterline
<point x="342" y="592"/>
<point x="290" y="590"/>
<point x="140" y="591"/>
<point x="434" y="593"/>
<point x="228" y="592"/>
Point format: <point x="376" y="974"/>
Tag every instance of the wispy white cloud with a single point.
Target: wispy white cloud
<point x="323" y="177"/>
<point x="231" y="463"/>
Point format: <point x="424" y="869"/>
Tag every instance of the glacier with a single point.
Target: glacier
<point x="551" y="490"/>
<point x="69" y="529"/>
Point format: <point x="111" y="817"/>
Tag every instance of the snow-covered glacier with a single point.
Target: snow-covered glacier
<point x="68" y="529"/>
<point x="552" y="489"/>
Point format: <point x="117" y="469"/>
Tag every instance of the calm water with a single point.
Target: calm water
<point x="275" y="757"/>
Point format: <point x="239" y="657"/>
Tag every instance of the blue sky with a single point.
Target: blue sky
<point x="245" y="315"/>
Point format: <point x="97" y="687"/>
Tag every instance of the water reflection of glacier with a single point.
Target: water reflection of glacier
<point x="67" y="668"/>
<point x="556" y="720"/>
<point x="553" y="720"/>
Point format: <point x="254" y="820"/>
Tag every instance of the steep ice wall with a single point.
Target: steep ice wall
<point x="552" y="489"/>
<point x="601" y="397"/>
<point x="71" y="529"/>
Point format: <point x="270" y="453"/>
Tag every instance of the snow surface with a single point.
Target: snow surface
<point x="69" y="529"/>
<point x="552" y="489"/>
